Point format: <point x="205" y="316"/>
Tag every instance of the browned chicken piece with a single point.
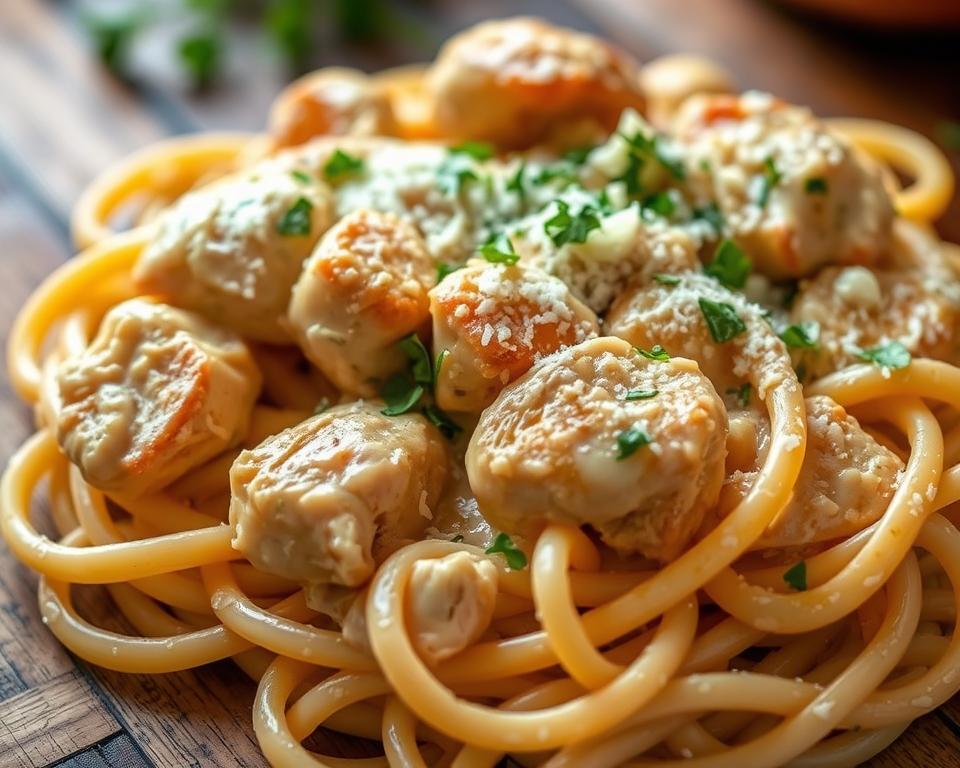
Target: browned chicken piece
<point x="158" y="392"/>
<point x="363" y="288"/>
<point x="512" y="81"/>
<point x="232" y="250"/>
<point x="492" y="322"/>
<point x="320" y="503"/>
<point x="599" y="435"/>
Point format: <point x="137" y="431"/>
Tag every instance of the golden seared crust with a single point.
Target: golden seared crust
<point x="157" y="392"/>
<point x="232" y="250"/>
<point x="671" y="316"/>
<point x="450" y="603"/>
<point x="549" y="449"/>
<point x="510" y="81"/>
<point x="318" y="502"/>
<point x="492" y="322"/>
<point x="332" y="101"/>
<point x="363" y="288"/>
<point x="858" y="308"/>
<point x="794" y="195"/>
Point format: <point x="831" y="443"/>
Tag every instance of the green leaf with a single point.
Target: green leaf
<point x="419" y="359"/>
<point x="454" y="173"/>
<point x="640" y="394"/>
<point x="457" y="539"/>
<point x="710" y="213"/>
<point x="112" y="37"/>
<point x="340" y="165"/>
<point x="200" y="56"/>
<point x="478" y="150"/>
<point x="296" y="221"/>
<point x="722" y="320"/>
<point x="515" y="182"/>
<point x="447" y="426"/>
<point x="444" y="269"/>
<point x="630" y="441"/>
<point x="796" y="576"/>
<point x="661" y="204"/>
<point x="401" y="394"/>
<point x="290" y="25"/>
<point x="802" y="336"/>
<point x="560" y="172"/>
<point x="816" y="186"/>
<point x="656" y="353"/>
<point x="302" y="176"/>
<point x="578" y="155"/>
<point x="503" y="545"/>
<point x="771" y="177"/>
<point x="564" y="228"/>
<point x="730" y="265"/>
<point x="499" y="250"/>
<point x="666" y="279"/>
<point x="441" y="355"/>
<point x="673" y="164"/>
<point x="742" y="394"/>
<point x="891" y="355"/>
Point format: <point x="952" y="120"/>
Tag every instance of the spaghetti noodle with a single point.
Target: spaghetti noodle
<point x="814" y="649"/>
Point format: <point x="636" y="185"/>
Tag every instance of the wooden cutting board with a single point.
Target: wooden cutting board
<point x="63" y="119"/>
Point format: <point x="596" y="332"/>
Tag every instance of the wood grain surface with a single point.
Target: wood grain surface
<point x="63" y="118"/>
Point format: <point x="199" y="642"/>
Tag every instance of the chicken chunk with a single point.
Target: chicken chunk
<point x="363" y="288"/>
<point x="600" y="435"/>
<point x="332" y="101"/>
<point x="792" y="194"/>
<point x="232" y="250"/>
<point x="510" y="81"/>
<point x="694" y="316"/>
<point x="856" y="309"/>
<point x="158" y="392"/>
<point x="492" y="322"/>
<point x="846" y="481"/>
<point x="320" y="501"/>
<point x="450" y="602"/>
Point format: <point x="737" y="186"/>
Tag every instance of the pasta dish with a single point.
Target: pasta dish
<point x="531" y="407"/>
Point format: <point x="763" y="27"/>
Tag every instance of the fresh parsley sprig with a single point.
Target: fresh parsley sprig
<point x="503" y="545"/>
<point x="893" y="355"/>
<point x="564" y="227"/>
<point x="630" y="441"/>
<point x="722" y="320"/>
<point x="730" y="265"/>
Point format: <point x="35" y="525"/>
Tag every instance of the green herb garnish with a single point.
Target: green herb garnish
<point x="801" y="336"/>
<point x="742" y="393"/>
<point x="890" y="355"/>
<point x="419" y="359"/>
<point x="656" y="353"/>
<point x="796" y="576"/>
<point x="578" y="155"/>
<point x="503" y="545"/>
<point x="444" y="269"/>
<point x="447" y="426"/>
<point x="296" y="221"/>
<point x="564" y="228"/>
<point x="401" y="394"/>
<point x="457" y="539"/>
<point x="515" y="182"/>
<point x="771" y="177"/>
<point x="341" y="165"/>
<point x="478" y="150"/>
<point x="630" y="441"/>
<point x="730" y="265"/>
<point x="722" y="320"/>
<point x="499" y="250"/>
<point x="200" y="56"/>
<point x="661" y="204"/>
<point x="436" y="366"/>
<point x="640" y="394"/>
<point x="710" y="213"/>
<point x="666" y="279"/>
<point x="302" y="176"/>
<point x="815" y="186"/>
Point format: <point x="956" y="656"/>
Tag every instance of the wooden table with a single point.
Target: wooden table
<point x="63" y="119"/>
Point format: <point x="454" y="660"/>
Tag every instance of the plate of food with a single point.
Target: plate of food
<point x="526" y="407"/>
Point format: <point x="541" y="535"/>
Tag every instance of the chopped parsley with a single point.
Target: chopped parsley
<point x="771" y="177"/>
<point x="499" y="250"/>
<point x="454" y="172"/>
<point x="656" y="353"/>
<point x="742" y="393"/>
<point x="666" y="279"/>
<point x="503" y="545"/>
<point x="890" y="355"/>
<point x="630" y="441"/>
<point x="643" y="147"/>
<point x="478" y="150"/>
<point x="296" y="221"/>
<point x="560" y="172"/>
<point x="447" y="426"/>
<point x="200" y="56"/>
<point x="816" y="186"/>
<point x="710" y="214"/>
<point x="457" y="539"/>
<point x="660" y="203"/>
<point x="515" y="182"/>
<point x="419" y="359"/>
<point x="302" y="176"/>
<point x="441" y="355"/>
<point x="444" y="269"/>
<point x="565" y="228"/>
<point x="730" y="265"/>
<point x="341" y="165"/>
<point x="578" y="155"/>
<point x="640" y="394"/>
<point x="801" y="336"/>
<point x="796" y="576"/>
<point x="401" y="394"/>
<point x="722" y="320"/>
